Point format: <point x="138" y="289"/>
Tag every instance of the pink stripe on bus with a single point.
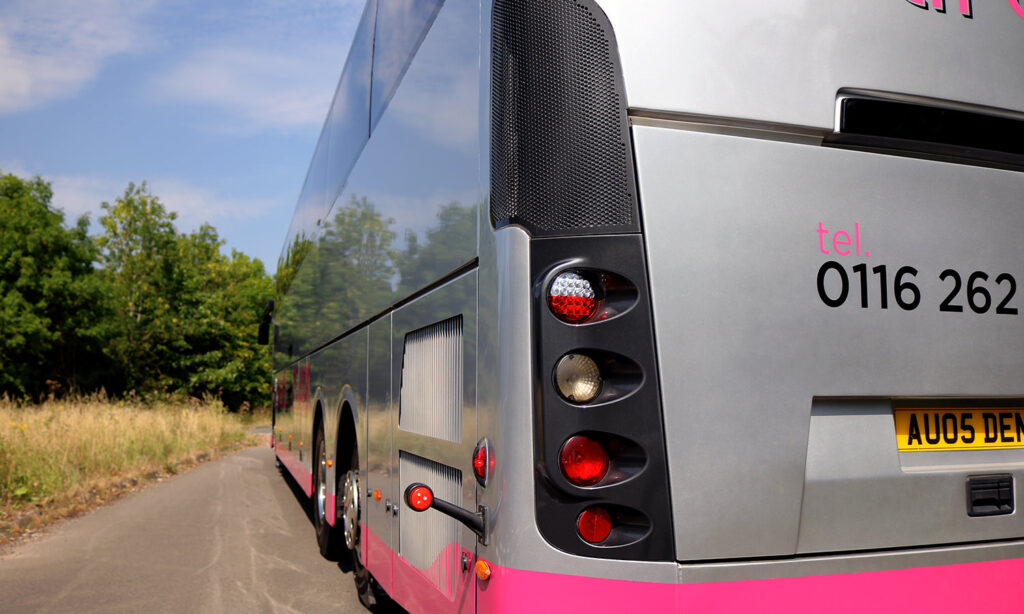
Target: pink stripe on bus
<point x="376" y="557"/>
<point x="985" y="586"/>
<point x="294" y="467"/>
<point x="1018" y="7"/>
<point x="414" y="590"/>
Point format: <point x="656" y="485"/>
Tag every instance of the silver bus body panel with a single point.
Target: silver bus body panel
<point x="850" y="563"/>
<point x="784" y="62"/>
<point x="455" y="298"/>
<point x="750" y="355"/>
<point x="338" y="375"/>
<point x="378" y="471"/>
<point x="350" y="302"/>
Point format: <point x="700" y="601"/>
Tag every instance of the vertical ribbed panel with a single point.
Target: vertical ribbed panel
<point x="431" y="401"/>
<point x="430" y="540"/>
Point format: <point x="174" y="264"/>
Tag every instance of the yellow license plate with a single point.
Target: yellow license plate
<point x="959" y="429"/>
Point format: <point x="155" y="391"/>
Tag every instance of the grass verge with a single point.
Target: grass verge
<point x="61" y="458"/>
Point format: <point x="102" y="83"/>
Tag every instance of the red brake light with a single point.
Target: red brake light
<point x="594" y="524"/>
<point x="571" y="298"/>
<point x="419" y="497"/>
<point x="584" y="461"/>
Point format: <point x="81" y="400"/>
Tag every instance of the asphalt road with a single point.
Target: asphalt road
<point x="231" y="535"/>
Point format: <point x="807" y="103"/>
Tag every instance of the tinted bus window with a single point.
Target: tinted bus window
<point x="348" y="123"/>
<point x="401" y="26"/>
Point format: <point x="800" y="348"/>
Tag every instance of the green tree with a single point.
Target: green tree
<point x="222" y="301"/>
<point x="138" y="247"/>
<point x="187" y="314"/>
<point x="51" y="309"/>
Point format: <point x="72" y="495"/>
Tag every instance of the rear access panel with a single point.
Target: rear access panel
<point x="801" y="294"/>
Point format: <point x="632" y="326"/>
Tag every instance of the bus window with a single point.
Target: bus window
<point x="401" y="27"/>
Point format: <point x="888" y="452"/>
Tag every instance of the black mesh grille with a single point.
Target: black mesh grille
<point x="560" y="155"/>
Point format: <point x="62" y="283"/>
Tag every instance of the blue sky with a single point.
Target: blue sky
<point x="217" y="105"/>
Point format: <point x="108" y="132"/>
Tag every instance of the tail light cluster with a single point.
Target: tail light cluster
<point x="602" y="480"/>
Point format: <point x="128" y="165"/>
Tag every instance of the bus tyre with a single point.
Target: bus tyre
<point x="367" y="588"/>
<point x="326" y="536"/>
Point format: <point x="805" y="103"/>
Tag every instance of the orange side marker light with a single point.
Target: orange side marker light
<point x="330" y="463"/>
<point x="483" y="570"/>
<point x="376" y="495"/>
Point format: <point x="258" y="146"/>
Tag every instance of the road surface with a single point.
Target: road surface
<point x="231" y="535"/>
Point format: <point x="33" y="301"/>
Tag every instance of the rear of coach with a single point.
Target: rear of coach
<point x="777" y="348"/>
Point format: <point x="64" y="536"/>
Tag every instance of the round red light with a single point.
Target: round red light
<point x="483" y="461"/>
<point x="420" y="497"/>
<point x="571" y="298"/>
<point x="480" y="462"/>
<point x="584" y="461"/>
<point x="594" y="524"/>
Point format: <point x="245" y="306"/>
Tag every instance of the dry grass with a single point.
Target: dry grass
<point x="62" y="457"/>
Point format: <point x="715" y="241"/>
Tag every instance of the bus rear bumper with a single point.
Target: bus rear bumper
<point x="980" y="586"/>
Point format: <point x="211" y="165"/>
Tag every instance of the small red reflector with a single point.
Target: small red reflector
<point x="420" y="498"/>
<point x="584" y="461"/>
<point x="571" y="298"/>
<point x="594" y="524"/>
<point x="480" y="462"/>
<point x="483" y="461"/>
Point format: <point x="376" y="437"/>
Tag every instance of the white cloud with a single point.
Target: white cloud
<point x="272" y="64"/>
<point x="78" y="195"/>
<point x="194" y="205"/>
<point x="258" y="86"/>
<point x="50" y="48"/>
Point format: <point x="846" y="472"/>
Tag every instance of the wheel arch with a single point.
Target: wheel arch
<point x="347" y="434"/>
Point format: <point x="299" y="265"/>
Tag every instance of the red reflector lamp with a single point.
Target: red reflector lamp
<point x="594" y="524"/>
<point x="584" y="461"/>
<point x="571" y="298"/>
<point x="480" y="462"/>
<point x="419" y="497"/>
<point x="483" y="461"/>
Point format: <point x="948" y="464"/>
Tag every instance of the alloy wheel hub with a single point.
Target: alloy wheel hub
<point x="351" y="509"/>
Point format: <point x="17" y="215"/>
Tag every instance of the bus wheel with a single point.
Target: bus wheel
<point x="367" y="588"/>
<point x="350" y="507"/>
<point x="326" y="535"/>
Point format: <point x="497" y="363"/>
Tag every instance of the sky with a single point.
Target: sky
<point x="217" y="105"/>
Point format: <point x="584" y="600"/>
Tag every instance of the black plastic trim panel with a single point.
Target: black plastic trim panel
<point x="931" y="132"/>
<point x="636" y="417"/>
<point x="561" y="156"/>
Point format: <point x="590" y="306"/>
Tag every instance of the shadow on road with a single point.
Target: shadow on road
<point x="344" y="561"/>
